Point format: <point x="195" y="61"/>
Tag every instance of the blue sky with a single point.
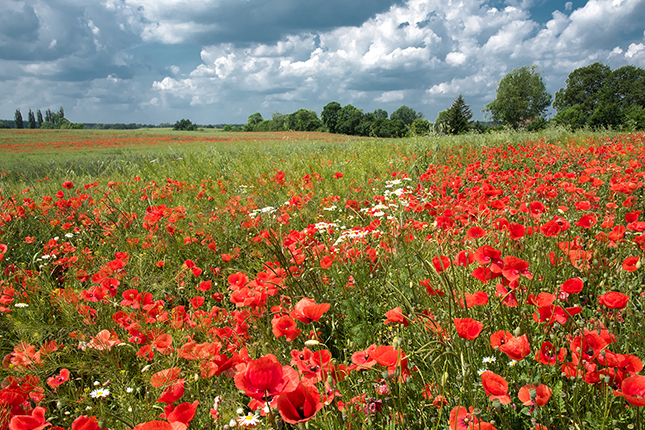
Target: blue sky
<point x="219" y="61"/>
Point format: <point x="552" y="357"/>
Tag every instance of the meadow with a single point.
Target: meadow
<point x="165" y="280"/>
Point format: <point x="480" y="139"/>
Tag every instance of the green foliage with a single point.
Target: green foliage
<point x="329" y="116"/>
<point x="420" y="127"/>
<point x="39" y="117"/>
<point x="253" y="121"/>
<point x="521" y="98"/>
<point x="4" y="125"/>
<point x="349" y="119"/>
<point x="31" y="119"/>
<point x="18" y="119"/>
<point x="406" y="114"/>
<point x="457" y="117"/>
<point x="184" y="125"/>
<point x="583" y="89"/>
<point x="571" y="116"/>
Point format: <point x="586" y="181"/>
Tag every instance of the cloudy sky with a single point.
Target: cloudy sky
<point x="218" y="61"/>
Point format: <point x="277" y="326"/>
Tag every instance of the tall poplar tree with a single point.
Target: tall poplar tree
<point x="18" y="119"/>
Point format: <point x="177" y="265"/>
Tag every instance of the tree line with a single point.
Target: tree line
<point x="594" y="96"/>
<point x="51" y="120"/>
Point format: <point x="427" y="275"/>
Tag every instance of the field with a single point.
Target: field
<point x="165" y="280"/>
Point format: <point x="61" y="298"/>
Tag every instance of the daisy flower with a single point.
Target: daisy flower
<point x="248" y="420"/>
<point x="100" y="392"/>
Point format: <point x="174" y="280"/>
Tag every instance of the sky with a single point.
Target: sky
<point x="219" y="61"/>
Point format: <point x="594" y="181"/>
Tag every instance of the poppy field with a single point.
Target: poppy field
<point x="471" y="282"/>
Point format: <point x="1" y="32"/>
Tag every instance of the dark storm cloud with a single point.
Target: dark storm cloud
<point x="268" y="21"/>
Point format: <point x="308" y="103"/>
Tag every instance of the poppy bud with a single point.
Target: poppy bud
<point x="517" y="332"/>
<point x="532" y="394"/>
<point x="497" y="405"/>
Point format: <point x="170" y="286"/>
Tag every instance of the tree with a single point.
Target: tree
<point x="348" y="121"/>
<point x="380" y="113"/>
<point x="303" y="120"/>
<point x="18" y="119"/>
<point x="458" y="116"/>
<point x="420" y="127"/>
<point x="252" y="121"/>
<point x="39" y="117"/>
<point x="184" y="125"/>
<point x="31" y="119"/>
<point x="406" y="114"/>
<point x="329" y="116"/>
<point x="521" y="98"/>
<point x="441" y="123"/>
<point x="4" y="125"/>
<point x="583" y="88"/>
<point x="625" y="87"/>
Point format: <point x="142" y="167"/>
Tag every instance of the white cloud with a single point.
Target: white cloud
<point x="634" y="49"/>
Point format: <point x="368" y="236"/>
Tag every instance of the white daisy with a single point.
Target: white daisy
<point x="100" y="392"/>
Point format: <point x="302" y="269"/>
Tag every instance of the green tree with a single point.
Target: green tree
<point x="625" y="87"/>
<point x="583" y="88"/>
<point x="348" y="121"/>
<point x="184" y="125"/>
<point x="458" y="116"/>
<point x="329" y="116"/>
<point x="303" y="120"/>
<point x="39" y="117"/>
<point x="380" y="113"/>
<point x="31" y="119"/>
<point x="252" y="121"/>
<point x="441" y="123"/>
<point x="420" y="127"/>
<point x="521" y="98"/>
<point x="572" y="116"/>
<point x="406" y="114"/>
<point x="17" y="119"/>
<point x="4" y="125"/>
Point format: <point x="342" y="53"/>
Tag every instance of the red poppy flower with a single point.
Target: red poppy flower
<point x="285" y="326"/>
<point x="300" y="404"/>
<point x="441" y="263"/>
<point x="536" y="209"/>
<point x="496" y="387"/>
<point x="468" y="328"/>
<point x="633" y="390"/>
<point x="265" y="377"/>
<point x="154" y="425"/>
<point x="55" y="381"/>
<point x="396" y="316"/>
<point x="572" y="286"/>
<point x="630" y="264"/>
<point x="587" y="221"/>
<point x="173" y="392"/>
<point x="530" y="395"/>
<point x="363" y="359"/>
<point x="35" y="421"/>
<point x="85" y="423"/>
<point x="386" y="355"/>
<point x="462" y="418"/>
<point x="165" y="377"/>
<point x="613" y="300"/>
<point x="68" y="185"/>
<point x="517" y="231"/>
<point x="464" y="258"/>
<point x="306" y="310"/>
<point x="476" y="232"/>
<point x="499" y="338"/>
<point x="548" y="354"/>
<point x="182" y="413"/>
<point x="516" y="348"/>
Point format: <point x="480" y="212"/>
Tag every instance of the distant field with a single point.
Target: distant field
<point x="21" y="141"/>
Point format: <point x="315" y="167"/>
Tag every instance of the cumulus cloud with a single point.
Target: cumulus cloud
<point x="224" y="59"/>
